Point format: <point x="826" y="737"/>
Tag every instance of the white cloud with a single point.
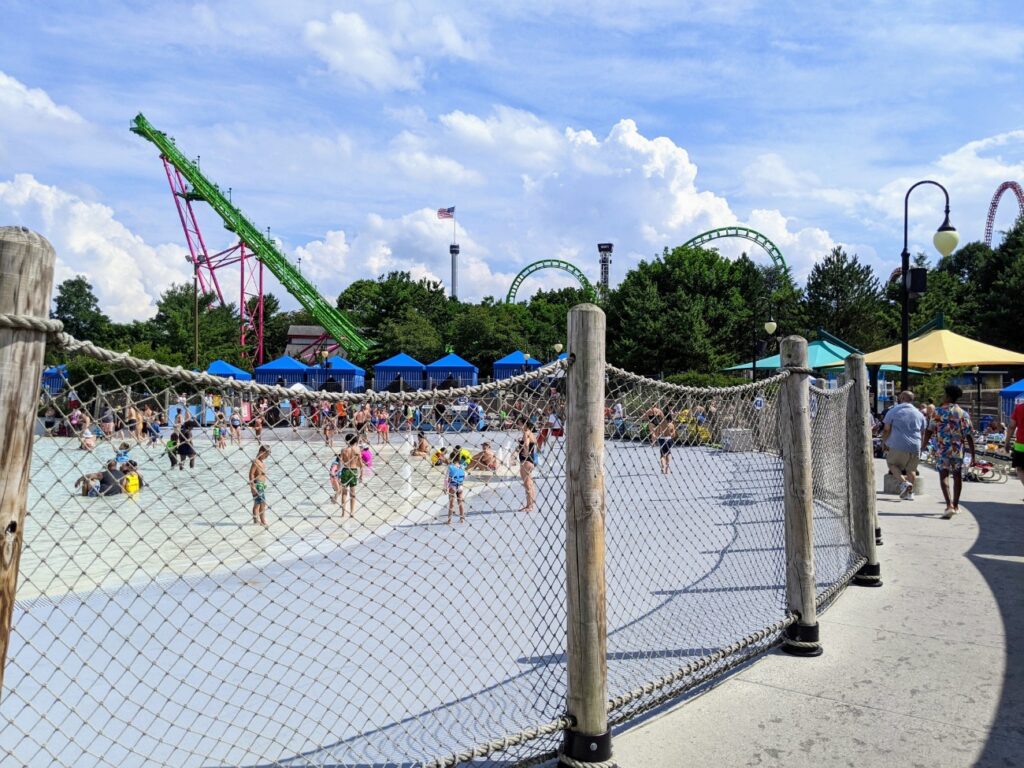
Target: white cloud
<point x="127" y="273"/>
<point x="425" y="167"/>
<point x="509" y="135"/>
<point x="390" y="56"/>
<point x="361" y="54"/>
<point x="17" y="98"/>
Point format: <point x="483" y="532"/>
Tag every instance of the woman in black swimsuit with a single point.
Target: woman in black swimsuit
<point x="527" y="454"/>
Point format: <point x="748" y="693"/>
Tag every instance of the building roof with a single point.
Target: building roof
<point x="452" y="361"/>
<point x="401" y="360"/>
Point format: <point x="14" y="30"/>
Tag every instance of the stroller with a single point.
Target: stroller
<point x="982" y="472"/>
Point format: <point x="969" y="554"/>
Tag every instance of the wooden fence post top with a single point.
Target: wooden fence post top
<point x="26" y="263"/>
<point x="793" y="351"/>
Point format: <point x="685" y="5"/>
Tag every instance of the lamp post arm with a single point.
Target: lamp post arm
<point x="905" y="293"/>
<point x="906" y="210"/>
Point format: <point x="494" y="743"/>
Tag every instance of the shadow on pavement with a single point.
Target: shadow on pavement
<point x="998" y="554"/>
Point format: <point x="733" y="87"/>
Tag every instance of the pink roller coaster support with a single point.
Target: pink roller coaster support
<point x="994" y="206"/>
<point x="206" y="266"/>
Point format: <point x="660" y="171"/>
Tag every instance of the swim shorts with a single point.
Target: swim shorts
<point x="1017" y="460"/>
<point x="259" y="496"/>
<point x="949" y="463"/>
<point x="348" y="478"/>
<point x="455" y="489"/>
<point x="665" y="443"/>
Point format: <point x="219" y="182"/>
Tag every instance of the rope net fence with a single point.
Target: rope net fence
<point x="391" y="604"/>
<point x="695" y="536"/>
<point x="224" y="573"/>
<point x="835" y="560"/>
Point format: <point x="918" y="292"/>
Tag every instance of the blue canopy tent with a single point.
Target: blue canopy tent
<point x="1009" y="396"/>
<point x="514" y="364"/>
<point x="54" y="379"/>
<point x="228" y="371"/>
<point x="350" y="377"/>
<point x="412" y="371"/>
<point x="451" y="365"/>
<point x="285" y="367"/>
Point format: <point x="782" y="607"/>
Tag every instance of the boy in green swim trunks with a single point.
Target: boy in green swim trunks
<point x="348" y="478"/>
<point x="258" y="485"/>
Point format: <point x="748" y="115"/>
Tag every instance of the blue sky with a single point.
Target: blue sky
<point x="550" y="126"/>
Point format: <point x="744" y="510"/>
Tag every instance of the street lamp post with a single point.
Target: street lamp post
<point x="945" y="240"/>
<point x="977" y="385"/>
<point x="769" y="328"/>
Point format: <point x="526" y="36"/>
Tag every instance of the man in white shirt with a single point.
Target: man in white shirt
<point x="902" y="435"/>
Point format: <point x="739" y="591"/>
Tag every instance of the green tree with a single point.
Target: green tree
<point x="675" y="313"/>
<point x="372" y="303"/>
<point x="412" y="333"/>
<point x="483" y="333"/>
<point x="78" y="308"/>
<point x="845" y="298"/>
<point x="171" y="331"/>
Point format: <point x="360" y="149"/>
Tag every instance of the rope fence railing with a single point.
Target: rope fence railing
<point x="201" y="571"/>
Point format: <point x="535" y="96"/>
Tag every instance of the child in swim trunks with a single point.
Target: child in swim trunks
<point x="453" y="484"/>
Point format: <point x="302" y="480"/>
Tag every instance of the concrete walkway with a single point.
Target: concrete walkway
<point x="926" y="671"/>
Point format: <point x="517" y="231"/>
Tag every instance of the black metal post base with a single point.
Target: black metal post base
<point x="802" y="640"/>
<point x="878" y="536"/>
<point x="869" y="576"/>
<point x="579" y="748"/>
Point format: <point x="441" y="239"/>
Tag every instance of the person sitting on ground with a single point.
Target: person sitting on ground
<point x="89" y="484"/>
<point x="88" y="437"/>
<point x="131" y="480"/>
<point x="485" y="459"/>
<point x="422" y="446"/>
<point x="110" y="480"/>
<point x="122" y="454"/>
<point x="460" y="454"/>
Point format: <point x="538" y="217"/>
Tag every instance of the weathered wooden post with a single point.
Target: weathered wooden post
<point x="26" y="278"/>
<point x="798" y="500"/>
<point x="861" y="459"/>
<point x="589" y="739"/>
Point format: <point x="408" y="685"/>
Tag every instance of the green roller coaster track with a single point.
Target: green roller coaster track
<point x="745" y="233"/>
<point x="536" y="266"/>
<point x="337" y="325"/>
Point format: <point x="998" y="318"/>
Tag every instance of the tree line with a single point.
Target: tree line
<point x="687" y="311"/>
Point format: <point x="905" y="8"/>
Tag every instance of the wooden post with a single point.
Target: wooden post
<point x="860" y="457"/>
<point x="589" y="740"/>
<point x="798" y="501"/>
<point x="26" y="279"/>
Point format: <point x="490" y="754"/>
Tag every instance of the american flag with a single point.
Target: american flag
<point x="446" y="213"/>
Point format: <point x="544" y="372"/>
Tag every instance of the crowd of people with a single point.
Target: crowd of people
<point x="357" y="425"/>
<point x="945" y="433"/>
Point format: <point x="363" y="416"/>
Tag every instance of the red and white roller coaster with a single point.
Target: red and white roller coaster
<point x="991" y="220"/>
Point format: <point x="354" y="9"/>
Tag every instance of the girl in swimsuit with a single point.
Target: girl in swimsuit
<point x="527" y="462"/>
<point x="236" y="428"/>
<point x="333" y="473"/>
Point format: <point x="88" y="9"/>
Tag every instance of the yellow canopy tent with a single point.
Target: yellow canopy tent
<point x="941" y="347"/>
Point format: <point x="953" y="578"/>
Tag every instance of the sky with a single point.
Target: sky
<point x="344" y="126"/>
